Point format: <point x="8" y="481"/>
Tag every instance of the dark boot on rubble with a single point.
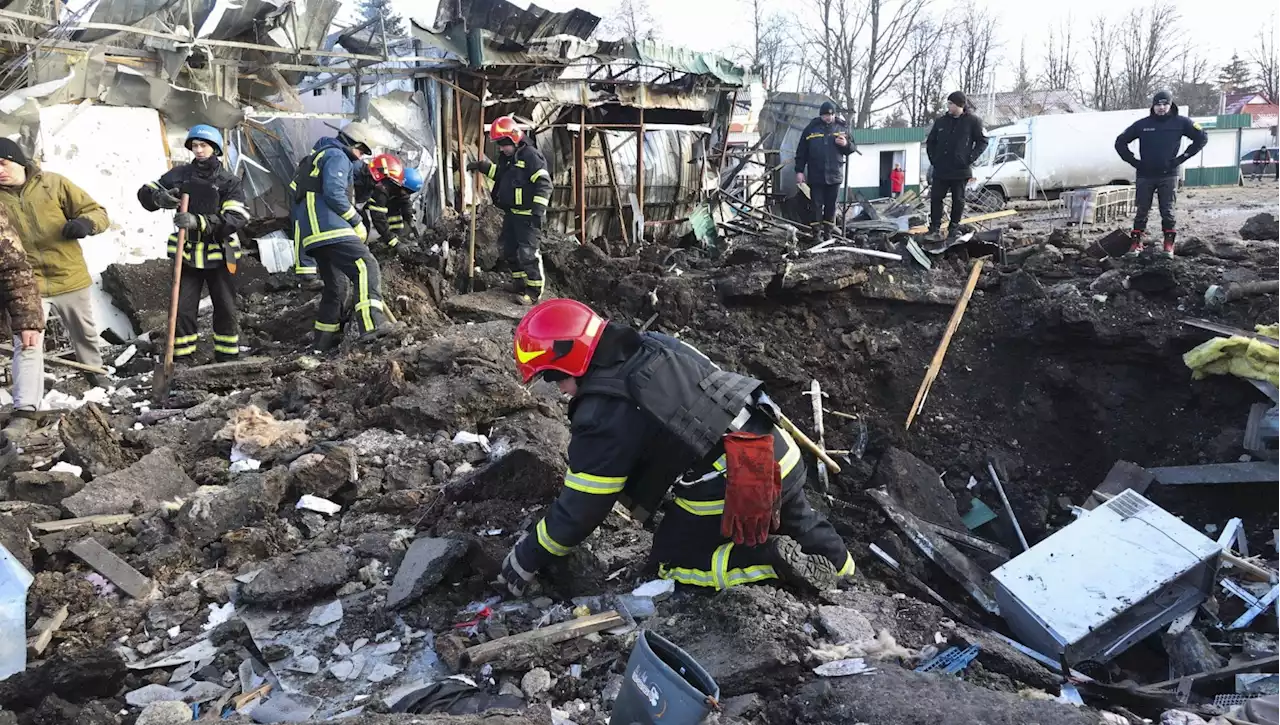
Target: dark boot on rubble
<point x="810" y="573"/>
<point x="1170" y="236"/>
<point x="1136" y="246"/>
<point x="325" y="342"/>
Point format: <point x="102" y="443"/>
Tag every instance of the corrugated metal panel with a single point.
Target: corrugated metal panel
<point x="782" y="119"/>
<point x="889" y="135"/>
<point x="1235" y="120"/>
<point x="509" y="20"/>
<point x="1217" y="176"/>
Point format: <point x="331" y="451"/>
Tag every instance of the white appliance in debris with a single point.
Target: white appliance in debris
<point x="1106" y="581"/>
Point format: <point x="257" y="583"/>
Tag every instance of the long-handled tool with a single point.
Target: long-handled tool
<point x="804" y="440"/>
<point x="160" y="383"/>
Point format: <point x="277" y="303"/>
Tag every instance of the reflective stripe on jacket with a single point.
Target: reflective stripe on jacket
<point x="323" y="211"/>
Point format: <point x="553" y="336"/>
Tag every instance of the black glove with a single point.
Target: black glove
<point x="165" y="198"/>
<point x="77" y="228"/>
<point x="513" y="579"/>
<point x="186" y="220"/>
<point x="476" y="166"/>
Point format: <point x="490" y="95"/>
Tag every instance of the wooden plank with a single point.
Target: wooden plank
<point x="1248" y="566"/>
<point x="42" y="632"/>
<point x="1122" y="476"/>
<point x="1229" y="331"/>
<point x="970" y="220"/>
<point x="936" y="364"/>
<point x="1251" y="472"/>
<point x="50" y="527"/>
<point x="57" y="361"/>
<point x="968" y="540"/>
<point x="115" y="569"/>
<point x="553" y="634"/>
<point x="1266" y="664"/>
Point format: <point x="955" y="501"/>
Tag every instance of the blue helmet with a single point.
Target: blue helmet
<point x="206" y="133"/>
<point x="412" y="179"/>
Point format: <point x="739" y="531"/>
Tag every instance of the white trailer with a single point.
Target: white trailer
<point x="1042" y="156"/>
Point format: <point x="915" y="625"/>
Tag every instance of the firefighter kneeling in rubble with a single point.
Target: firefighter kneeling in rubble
<point x="650" y="412"/>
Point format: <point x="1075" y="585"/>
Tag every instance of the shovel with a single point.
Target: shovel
<point x="160" y="383"/>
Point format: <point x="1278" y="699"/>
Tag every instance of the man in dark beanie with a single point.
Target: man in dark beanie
<point x="50" y="215"/>
<point x="954" y="143"/>
<point x="1159" y="137"/>
<point x="820" y="155"/>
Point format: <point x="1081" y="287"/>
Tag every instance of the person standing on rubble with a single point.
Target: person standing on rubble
<point x="20" y="297"/>
<point x="649" y="412"/>
<point x="820" y="155"/>
<point x="522" y="188"/>
<point x="954" y="143"/>
<point x="327" y="227"/>
<point x="1159" y="137"/>
<point x="390" y="204"/>
<point x="50" y="215"/>
<point x="216" y="212"/>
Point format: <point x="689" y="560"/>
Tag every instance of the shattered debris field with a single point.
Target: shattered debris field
<point x="294" y="538"/>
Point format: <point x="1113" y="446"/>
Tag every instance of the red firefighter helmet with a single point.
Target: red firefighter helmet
<point x="386" y="166"/>
<point x="559" y="335"/>
<point x="504" y="127"/>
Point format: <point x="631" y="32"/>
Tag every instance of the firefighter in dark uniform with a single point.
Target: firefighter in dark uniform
<point x="648" y="413"/>
<point x="522" y="187"/>
<point x="216" y="212"/>
<point x="390" y="204"/>
<point x="820" y="155"/>
<point x="327" y="227"/>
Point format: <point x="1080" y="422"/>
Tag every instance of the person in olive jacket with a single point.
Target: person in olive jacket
<point x="820" y="155"/>
<point x="955" y="142"/>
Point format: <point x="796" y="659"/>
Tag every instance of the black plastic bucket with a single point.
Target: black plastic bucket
<point x="663" y="684"/>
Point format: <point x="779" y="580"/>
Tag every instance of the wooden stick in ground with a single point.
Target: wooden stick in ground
<point x="59" y="362"/>
<point x="475" y="193"/>
<point x="490" y="651"/>
<point x="160" y="384"/>
<point x="941" y="352"/>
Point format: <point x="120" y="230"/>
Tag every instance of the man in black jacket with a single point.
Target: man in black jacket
<point x="954" y="143"/>
<point x="820" y="155"/>
<point x="1159" y="137"/>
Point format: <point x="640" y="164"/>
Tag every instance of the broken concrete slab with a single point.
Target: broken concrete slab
<point x="47" y="488"/>
<point x="225" y="375"/>
<point x="486" y="306"/>
<point x="290" y="579"/>
<point x="1251" y="472"/>
<point x="917" y="487"/>
<point x="1190" y="653"/>
<point x="425" y="564"/>
<point x="1261" y="227"/>
<point x="457" y="402"/>
<point x="16" y="520"/>
<point x="141" y="291"/>
<point x="529" y="452"/>
<point x="77" y="676"/>
<point x="91" y="442"/>
<point x="165" y="712"/>
<point x="324" y="475"/>
<point x="215" y="510"/>
<point x="147" y="484"/>
<point x="148" y="694"/>
<point x="115" y="569"/>
<point x="843" y="624"/>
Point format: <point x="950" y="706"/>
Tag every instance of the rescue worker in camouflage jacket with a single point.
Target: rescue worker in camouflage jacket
<point x="20" y="296"/>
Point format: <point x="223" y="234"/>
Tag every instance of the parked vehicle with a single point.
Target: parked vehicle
<point x="1042" y="156"/>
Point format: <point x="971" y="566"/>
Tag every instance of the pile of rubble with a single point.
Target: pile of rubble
<point x="296" y="539"/>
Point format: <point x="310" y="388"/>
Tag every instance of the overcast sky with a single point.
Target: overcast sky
<point x="722" y="24"/>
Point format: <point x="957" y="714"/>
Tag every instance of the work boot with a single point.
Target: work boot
<point x="953" y="233"/>
<point x="99" y="380"/>
<point x="226" y="357"/>
<point x="325" y="342"/>
<point x="1170" y="236"/>
<point x="934" y="234"/>
<point x="811" y="573"/>
<point x="383" y="329"/>
<point x="21" y="424"/>
<point x="1135" y="245"/>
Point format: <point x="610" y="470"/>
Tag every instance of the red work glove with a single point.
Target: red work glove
<point x="753" y="492"/>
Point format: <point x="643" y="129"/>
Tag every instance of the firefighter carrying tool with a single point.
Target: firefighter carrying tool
<point x="651" y="414"/>
<point x="522" y="188"/>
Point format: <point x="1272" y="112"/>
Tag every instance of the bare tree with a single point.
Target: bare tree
<point x="1263" y="56"/>
<point x="1022" y="79"/>
<point x="1192" y="87"/>
<point x="1060" y="59"/>
<point x="921" y="87"/>
<point x="773" y="51"/>
<point x="864" y="48"/>
<point x="976" y="41"/>
<point x="1101" y="52"/>
<point x="632" y="19"/>
<point x="1146" y="53"/>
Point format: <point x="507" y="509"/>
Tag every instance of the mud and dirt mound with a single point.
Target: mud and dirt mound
<point x="1262" y="227"/>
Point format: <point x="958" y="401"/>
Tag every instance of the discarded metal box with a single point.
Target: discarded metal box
<point x="1106" y="581"/>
